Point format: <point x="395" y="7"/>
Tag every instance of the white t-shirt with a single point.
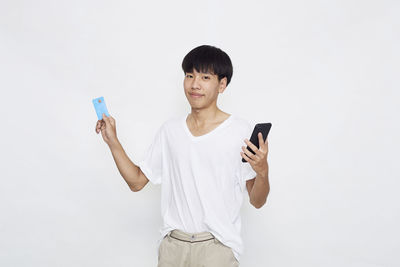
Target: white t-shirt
<point x="203" y="178"/>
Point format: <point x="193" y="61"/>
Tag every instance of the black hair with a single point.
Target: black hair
<point x="207" y="58"/>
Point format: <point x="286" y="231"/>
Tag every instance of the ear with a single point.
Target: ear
<point x="222" y="85"/>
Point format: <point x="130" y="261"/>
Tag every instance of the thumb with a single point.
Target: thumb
<point x="105" y="118"/>
<point x="112" y="120"/>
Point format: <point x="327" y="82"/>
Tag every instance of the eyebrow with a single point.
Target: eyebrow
<point x="201" y="73"/>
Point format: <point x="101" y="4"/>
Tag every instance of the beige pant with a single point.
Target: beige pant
<point x="181" y="249"/>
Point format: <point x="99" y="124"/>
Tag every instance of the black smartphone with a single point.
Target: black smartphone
<point x="259" y="127"/>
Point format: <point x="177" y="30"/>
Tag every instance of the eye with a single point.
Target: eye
<point x="206" y="77"/>
<point x="188" y="75"/>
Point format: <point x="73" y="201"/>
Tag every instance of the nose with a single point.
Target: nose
<point x="195" y="83"/>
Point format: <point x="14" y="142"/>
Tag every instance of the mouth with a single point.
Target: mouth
<point x="195" y="95"/>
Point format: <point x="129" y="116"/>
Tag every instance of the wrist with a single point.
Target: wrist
<point x="264" y="174"/>
<point x="114" y="144"/>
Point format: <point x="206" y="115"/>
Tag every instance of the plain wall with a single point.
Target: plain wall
<point x="324" y="73"/>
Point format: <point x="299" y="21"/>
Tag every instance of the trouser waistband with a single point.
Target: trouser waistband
<point x="191" y="237"/>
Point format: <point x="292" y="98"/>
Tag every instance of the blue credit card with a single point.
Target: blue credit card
<point x="100" y="107"/>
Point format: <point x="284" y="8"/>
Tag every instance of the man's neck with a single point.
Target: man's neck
<point x="204" y="117"/>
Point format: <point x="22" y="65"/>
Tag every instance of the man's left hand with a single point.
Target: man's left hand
<point x="257" y="161"/>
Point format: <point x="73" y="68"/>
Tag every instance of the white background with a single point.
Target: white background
<point x="325" y="73"/>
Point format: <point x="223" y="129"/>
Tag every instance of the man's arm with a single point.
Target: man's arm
<point x="258" y="161"/>
<point x="259" y="190"/>
<point x="131" y="173"/>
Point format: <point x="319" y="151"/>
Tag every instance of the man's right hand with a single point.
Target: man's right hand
<point x="108" y="129"/>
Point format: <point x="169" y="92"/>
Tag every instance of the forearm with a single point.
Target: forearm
<point x="128" y="170"/>
<point x="260" y="190"/>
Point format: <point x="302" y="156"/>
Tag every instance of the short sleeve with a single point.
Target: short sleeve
<point x="244" y="173"/>
<point x="151" y="164"/>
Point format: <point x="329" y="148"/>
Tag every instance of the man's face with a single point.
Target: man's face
<point x="206" y="85"/>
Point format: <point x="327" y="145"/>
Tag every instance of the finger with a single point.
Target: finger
<point x="263" y="146"/>
<point x="260" y="139"/>
<point x="109" y="120"/>
<point x="248" y="153"/>
<point x="252" y="146"/>
<point x="112" y="120"/>
<point x="246" y="157"/>
<point x="98" y="125"/>
<point x="105" y="119"/>
<point x="101" y="126"/>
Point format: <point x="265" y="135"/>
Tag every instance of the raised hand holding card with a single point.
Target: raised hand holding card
<point x="100" y="107"/>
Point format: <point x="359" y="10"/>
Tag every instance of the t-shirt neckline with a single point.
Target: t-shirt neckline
<point x="196" y="138"/>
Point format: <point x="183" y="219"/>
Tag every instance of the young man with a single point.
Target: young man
<point x="197" y="159"/>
